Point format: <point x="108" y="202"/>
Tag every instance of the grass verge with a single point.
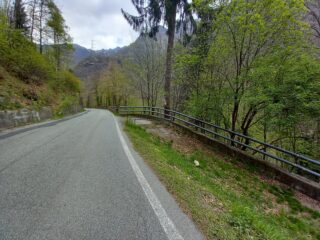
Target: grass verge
<point x="223" y="199"/>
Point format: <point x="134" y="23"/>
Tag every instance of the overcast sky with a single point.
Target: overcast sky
<point x="98" y="20"/>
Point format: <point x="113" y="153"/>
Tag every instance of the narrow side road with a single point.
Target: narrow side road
<point x="81" y="179"/>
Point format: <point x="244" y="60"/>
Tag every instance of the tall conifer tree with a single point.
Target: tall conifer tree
<point x="152" y="13"/>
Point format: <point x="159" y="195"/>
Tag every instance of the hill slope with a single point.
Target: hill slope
<point x="90" y="64"/>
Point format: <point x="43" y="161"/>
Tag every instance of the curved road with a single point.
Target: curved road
<point x="79" y="178"/>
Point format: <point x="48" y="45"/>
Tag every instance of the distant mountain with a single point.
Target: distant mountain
<point x="88" y="70"/>
<point x="80" y="53"/>
<point x="109" y="52"/>
<point x="89" y="64"/>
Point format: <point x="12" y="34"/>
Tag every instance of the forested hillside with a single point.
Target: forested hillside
<point x="141" y="63"/>
<point x="35" y="50"/>
<point x="248" y="66"/>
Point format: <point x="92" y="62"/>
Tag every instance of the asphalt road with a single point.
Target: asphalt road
<point x="80" y="179"/>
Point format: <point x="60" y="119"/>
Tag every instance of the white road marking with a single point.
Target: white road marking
<point x="165" y="221"/>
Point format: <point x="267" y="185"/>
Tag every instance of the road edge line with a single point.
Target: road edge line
<point x="166" y="223"/>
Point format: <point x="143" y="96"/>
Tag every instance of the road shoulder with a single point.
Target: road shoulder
<point x="183" y="223"/>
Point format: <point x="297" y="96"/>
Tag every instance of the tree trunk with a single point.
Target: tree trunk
<point x="171" y="19"/>
<point x="41" y="26"/>
<point x="33" y="16"/>
<point x="234" y="118"/>
<point x="246" y="123"/>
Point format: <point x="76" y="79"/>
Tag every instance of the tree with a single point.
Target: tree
<point x="60" y="36"/>
<point x="5" y="7"/>
<point x="22" y="63"/>
<point x="245" y="35"/>
<point x="146" y="69"/>
<point x="254" y="71"/>
<point x="20" y="16"/>
<point x="185" y="75"/>
<point x="32" y="15"/>
<point x="42" y="15"/>
<point x="151" y="14"/>
<point x="314" y="16"/>
<point x="113" y="88"/>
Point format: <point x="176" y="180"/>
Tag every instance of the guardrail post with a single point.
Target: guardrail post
<point x="172" y="114"/>
<point x="216" y="131"/>
<point x="202" y="124"/>
<point x="166" y="114"/>
<point x="197" y="122"/>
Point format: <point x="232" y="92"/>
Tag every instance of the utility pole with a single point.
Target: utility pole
<point x="93" y="45"/>
<point x="92" y="48"/>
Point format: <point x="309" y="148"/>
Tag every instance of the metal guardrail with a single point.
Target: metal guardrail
<point x="293" y="162"/>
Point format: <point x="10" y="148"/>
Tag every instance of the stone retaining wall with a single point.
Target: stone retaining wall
<point x="21" y="117"/>
<point x="16" y="118"/>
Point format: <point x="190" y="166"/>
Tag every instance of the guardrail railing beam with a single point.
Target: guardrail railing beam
<point x="234" y="139"/>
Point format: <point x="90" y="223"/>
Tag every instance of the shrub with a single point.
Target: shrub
<point x="20" y="57"/>
<point x="35" y="80"/>
<point x="71" y="82"/>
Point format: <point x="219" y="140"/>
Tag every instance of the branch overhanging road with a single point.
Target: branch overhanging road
<point x="81" y="179"/>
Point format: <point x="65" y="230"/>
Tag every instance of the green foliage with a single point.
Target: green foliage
<point x="113" y="88"/>
<point x="60" y="36"/>
<point x="20" y="57"/>
<point x="56" y="21"/>
<point x="66" y="81"/>
<point x="66" y="105"/>
<point x="255" y="71"/>
<point x="146" y="69"/>
<point x="152" y="13"/>
<point x="20" y="17"/>
<point x="30" y="78"/>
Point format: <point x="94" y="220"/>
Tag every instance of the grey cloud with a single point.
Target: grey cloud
<point x="98" y="20"/>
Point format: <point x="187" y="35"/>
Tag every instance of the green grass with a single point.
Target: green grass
<point x="224" y="200"/>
